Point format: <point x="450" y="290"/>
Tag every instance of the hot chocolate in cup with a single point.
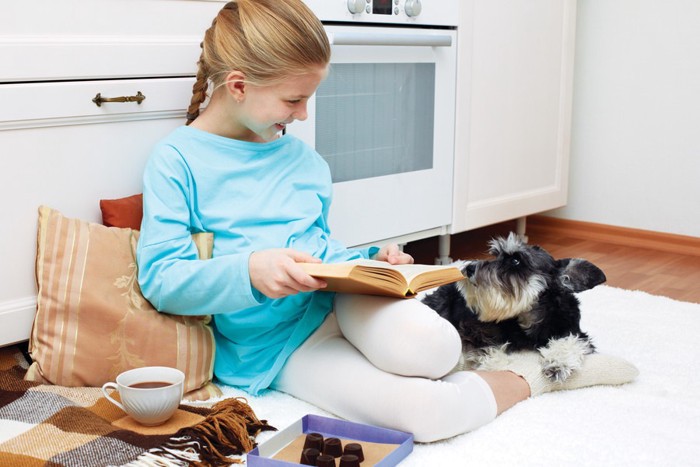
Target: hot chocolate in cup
<point x="150" y="395"/>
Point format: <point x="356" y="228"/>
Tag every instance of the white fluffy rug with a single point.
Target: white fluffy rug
<point x="654" y="421"/>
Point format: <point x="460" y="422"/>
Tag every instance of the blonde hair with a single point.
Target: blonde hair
<point x="266" y="40"/>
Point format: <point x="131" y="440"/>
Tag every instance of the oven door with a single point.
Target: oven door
<point x="384" y="121"/>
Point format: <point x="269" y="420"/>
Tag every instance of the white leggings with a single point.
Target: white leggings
<point x="379" y="360"/>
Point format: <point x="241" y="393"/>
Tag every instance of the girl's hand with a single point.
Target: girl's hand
<point x="392" y="254"/>
<point x="275" y="272"/>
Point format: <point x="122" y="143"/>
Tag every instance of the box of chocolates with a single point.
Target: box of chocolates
<point x="328" y="442"/>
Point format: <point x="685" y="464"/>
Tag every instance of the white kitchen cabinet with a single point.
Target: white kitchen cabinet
<point x="61" y="150"/>
<point x="45" y="40"/>
<point x="58" y="147"/>
<point x="514" y="93"/>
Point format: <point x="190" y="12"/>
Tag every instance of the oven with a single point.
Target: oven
<point x="384" y="117"/>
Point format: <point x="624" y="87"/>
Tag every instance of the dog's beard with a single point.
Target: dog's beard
<point x="494" y="301"/>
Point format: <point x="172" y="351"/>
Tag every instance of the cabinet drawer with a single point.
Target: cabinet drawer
<point x="70" y="103"/>
<point x="89" y="39"/>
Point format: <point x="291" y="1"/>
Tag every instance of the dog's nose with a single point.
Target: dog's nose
<point x="471" y="269"/>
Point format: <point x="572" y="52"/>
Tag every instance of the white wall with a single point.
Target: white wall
<point x="635" y="155"/>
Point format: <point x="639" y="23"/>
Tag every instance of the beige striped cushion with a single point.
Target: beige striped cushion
<point x="92" y="322"/>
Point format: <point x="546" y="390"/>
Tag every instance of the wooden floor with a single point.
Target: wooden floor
<point x="656" y="272"/>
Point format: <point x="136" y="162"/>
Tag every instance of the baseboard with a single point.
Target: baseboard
<point x="660" y="241"/>
<point x="16" y="318"/>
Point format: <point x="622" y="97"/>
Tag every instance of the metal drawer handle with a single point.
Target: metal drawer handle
<point x="137" y="98"/>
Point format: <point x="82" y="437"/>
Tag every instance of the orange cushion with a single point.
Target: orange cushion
<point x="123" y="212"/>
<point x="92" y="322"/>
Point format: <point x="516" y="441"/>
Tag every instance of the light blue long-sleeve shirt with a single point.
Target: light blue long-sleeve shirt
<point x="251" y="196"/>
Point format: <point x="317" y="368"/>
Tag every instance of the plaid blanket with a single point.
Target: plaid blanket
<point x="43" y="425"/>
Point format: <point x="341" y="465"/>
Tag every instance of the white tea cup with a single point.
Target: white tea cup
<point x="150" y="395"/>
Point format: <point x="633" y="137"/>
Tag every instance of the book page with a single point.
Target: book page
<point x="328" y="270"/>
<point x="409" y="271"/>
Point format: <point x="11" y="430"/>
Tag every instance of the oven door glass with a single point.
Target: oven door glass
<point x="383" y="119"/>
<point x="390" y="109"/>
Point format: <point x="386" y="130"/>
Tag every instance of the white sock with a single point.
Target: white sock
<point x="597" y="369"/>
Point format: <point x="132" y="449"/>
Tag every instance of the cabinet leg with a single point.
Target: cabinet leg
<point x="521" y="228"/>
<point x="443" y="250"/>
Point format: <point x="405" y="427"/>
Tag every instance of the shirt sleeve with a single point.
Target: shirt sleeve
<point x="171" y="275"/>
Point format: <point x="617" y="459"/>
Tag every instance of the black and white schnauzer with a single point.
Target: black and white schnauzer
<point x="523" y="299"/>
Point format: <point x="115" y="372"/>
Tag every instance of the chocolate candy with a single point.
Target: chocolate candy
<point x="309" y="456"/>
<point x="333" y="447"/>
<point x="354" y="449"/>
<point x="349" y="460"/>
<point x="314" y="440"/>
<point x="324" y="460"/>
<point x="322" y="452"/>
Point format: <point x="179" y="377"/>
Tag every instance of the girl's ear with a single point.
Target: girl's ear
<point x="236" y="85"/>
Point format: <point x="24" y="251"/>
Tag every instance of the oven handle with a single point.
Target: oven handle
<point x="357" y="38"/>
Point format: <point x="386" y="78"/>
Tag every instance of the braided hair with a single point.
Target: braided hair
<point x="266" y="40"/>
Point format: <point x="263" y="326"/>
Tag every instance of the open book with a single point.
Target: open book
<point x="366" y="276"/>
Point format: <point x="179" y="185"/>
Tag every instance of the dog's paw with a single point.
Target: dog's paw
<point x="563" y="356"/>
<point x="555" y="372"/>
<point x="492" y="358"/>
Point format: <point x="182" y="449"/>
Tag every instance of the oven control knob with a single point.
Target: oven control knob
<point x="413" y="7"/>
<point x="356" y="6"/>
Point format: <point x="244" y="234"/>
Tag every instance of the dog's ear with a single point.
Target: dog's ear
<point x="578" y="275"/>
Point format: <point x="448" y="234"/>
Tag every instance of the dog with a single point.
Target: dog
<point x="523" y="299"/>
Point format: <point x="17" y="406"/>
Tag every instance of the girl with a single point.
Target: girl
<point x="266" y="198"/>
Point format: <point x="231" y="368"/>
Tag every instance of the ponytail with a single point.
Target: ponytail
<point x="266" y="40"/>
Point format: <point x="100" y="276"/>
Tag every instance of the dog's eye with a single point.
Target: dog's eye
<point x="515" y="261"/>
